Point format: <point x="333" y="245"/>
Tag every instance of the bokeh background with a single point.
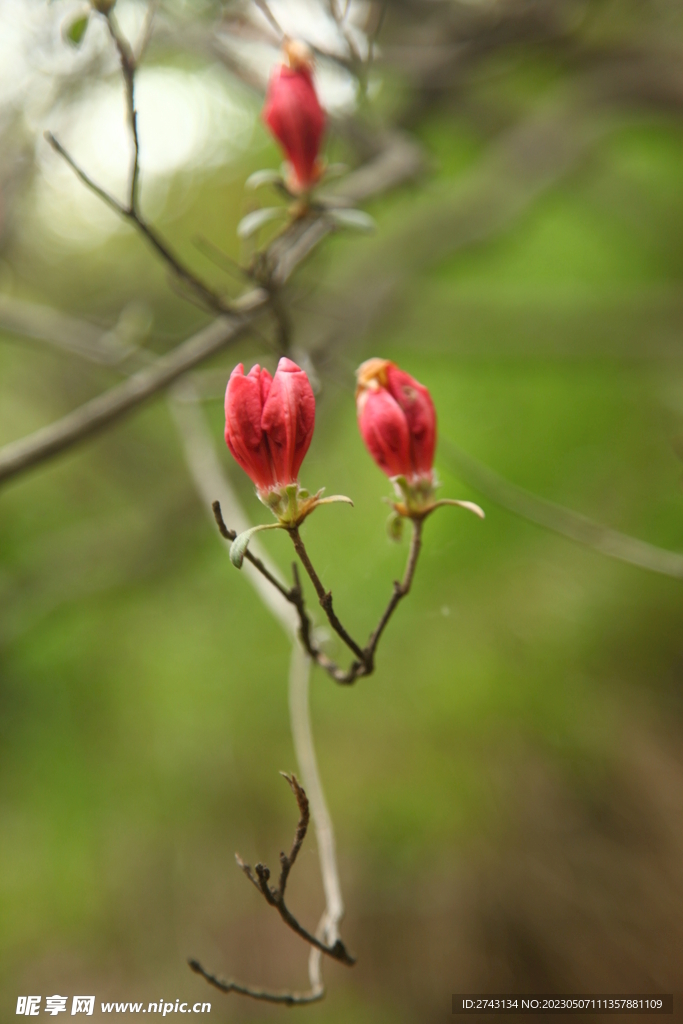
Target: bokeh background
<point x="507" y="789"/>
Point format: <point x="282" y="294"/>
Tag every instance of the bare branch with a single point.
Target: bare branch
<point x="265" y="995"/>
<point x="400" y="591"/>
<point x="210" y="298"/>
<point x="88" y="419"/>
<point x="256" y="562"/>
<point x="560" y="519"/>
<point x="128" y="68"/>
<point x="325" y="597"/>
<point x="365" y="663"/>
<point x="272" y="20"/>
<point x="275" y="896"/>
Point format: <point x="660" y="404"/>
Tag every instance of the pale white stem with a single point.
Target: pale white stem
<point x="299" y="714"/>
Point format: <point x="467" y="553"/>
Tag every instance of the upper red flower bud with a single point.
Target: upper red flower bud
<point x="397" y="419"/>
<point x="269" y="422"/>
<point x="293" y="113"/>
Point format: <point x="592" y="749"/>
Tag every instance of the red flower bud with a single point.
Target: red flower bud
<point x="397" y="420"/>
<point x="293" y="113"/>
<point x="269" y="422"/>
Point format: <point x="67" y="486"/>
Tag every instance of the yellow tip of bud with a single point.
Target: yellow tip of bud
<point x="299" y="55"/>
<point x="372" y="374"/>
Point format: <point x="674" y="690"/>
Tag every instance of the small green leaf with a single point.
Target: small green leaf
<point x="358" y="220"/>
<point x="395" y="526"/>
<point x="250" y="224"/>
<point x="239" y="546"/>
<point x="469" y="505"/>
<point x="75" y="30"/>
<point x="265" y="177"/>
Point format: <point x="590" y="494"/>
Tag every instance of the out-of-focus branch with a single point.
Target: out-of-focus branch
<point x="128" y="69"/>
<point x="396" y="164"/>
<point x="88" y="419"/>
<point x="558" y="518"/>
<point x="107" y="347"/>
<point x="131" y="213"/>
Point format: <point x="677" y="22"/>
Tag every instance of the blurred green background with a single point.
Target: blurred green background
<point x="506" y="789"/>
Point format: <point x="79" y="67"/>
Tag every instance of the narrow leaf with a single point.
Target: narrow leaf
<point x="75" y="30"/>
<point x="333" y="498"/>
<point x="358" y="220"/>
<point x="240" y="544"/>
<point x="264" y="177"/>
<point x="469" y="505"/>
<point x="250" y="224"/>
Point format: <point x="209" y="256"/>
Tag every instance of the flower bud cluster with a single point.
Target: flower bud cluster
<point x="269" y="425"/>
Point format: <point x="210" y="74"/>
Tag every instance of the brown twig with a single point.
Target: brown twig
<point x="324" y="596"/>
<point x="264" y="994"/>
<point x="131" y="213"/>
<point x="275" y="897"/>
<point x="128" y="69"/>
<point x="364" y="664"/>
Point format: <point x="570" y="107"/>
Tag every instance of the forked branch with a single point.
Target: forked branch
<point x="259" y="876"/>
<point x="130" y="210"/>
<point x="364" y="662"/>
<point x="275" y="895"/>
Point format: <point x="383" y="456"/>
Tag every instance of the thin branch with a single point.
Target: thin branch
<point x="88" y="419"/>
<point x="325" y="597"/>
<point x="130" y="213"/>
<point x="365" y="663"/>
<point x="275" y="896"/>
<point x="101" y="193"/>
<point x="256" y="562"/>
<point x="128" y="68"/>
<point x="265" y="995"/>
<point x="400" y="591"/>
<point x="270" y="17"/>
<point x="147" y="29"/>
<point x="560" y="519"/>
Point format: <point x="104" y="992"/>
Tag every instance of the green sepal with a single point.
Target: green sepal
<point x="239" y="546"/>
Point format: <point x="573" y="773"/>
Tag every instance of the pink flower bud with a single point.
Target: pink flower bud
<point x="269" y="423"/>
<point x="397" y="420"/>
<point x="293" y="113"/>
